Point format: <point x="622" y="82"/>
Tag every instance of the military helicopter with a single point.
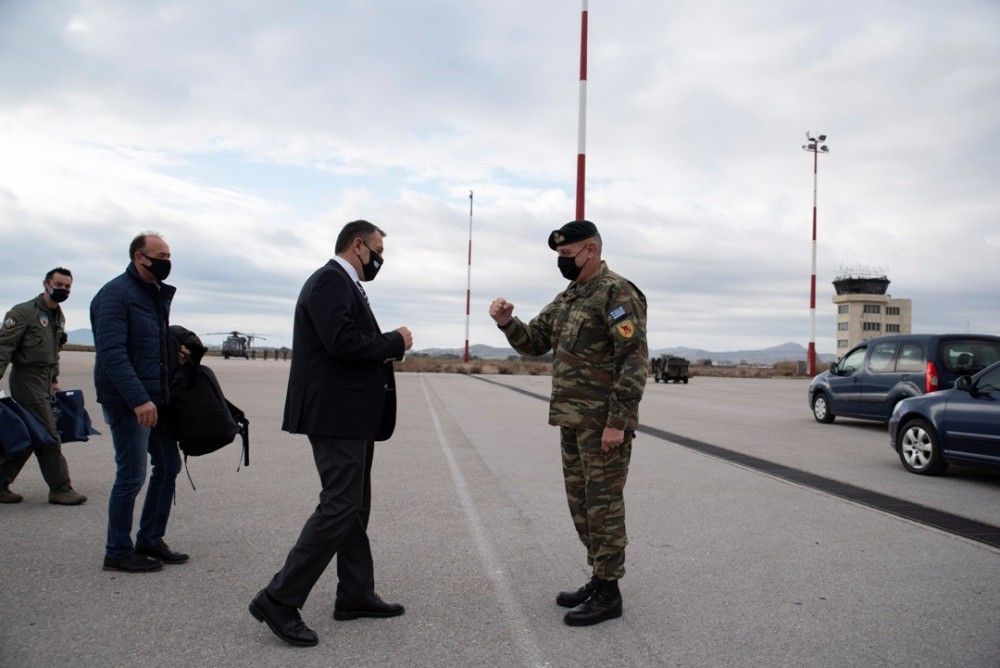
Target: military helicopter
<point x="237" y="344"/>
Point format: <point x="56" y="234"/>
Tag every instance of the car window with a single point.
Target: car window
<point x="852" y="362"/>
<point x="967" y="356"/>
<point x="911" y="357"/>
<point x="882" y="357"/>
<point x="989" y="382"/>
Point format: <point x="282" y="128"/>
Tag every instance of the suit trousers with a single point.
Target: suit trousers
<point x="338" y="526"/>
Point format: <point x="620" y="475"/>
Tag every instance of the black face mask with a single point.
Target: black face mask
<point x="567" y="266"/>
<point x="58" y="295"/>
<point x="160" y="268"/>
<point x="370" y="269"/>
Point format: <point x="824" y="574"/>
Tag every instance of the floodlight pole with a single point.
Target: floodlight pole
<point x="581" y="151"/>
<point x="815" y="146"/>
<point x="468" y="284"/>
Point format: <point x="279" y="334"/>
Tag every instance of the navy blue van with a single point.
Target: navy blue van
<point x="874" y="376"/>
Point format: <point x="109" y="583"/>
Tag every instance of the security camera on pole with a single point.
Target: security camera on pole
<point x="815" y="145"/>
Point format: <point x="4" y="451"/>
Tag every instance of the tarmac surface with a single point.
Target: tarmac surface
<point x="727" y="565"/>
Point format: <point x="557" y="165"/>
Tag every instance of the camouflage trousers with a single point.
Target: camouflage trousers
<point x="595" y="482"/>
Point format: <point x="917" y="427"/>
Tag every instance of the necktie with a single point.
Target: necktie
<point x="363" y="293"/>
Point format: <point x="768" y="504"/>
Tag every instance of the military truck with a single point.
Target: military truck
<point x="668" y="368"/>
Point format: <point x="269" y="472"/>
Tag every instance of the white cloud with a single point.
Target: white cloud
<point x="250" y="132"/>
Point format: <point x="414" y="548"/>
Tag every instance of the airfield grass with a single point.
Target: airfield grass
<point x="418" y="363"/>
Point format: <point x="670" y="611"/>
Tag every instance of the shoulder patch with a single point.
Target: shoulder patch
<point x="617" y="314"/>
<point x="10" y="323"/>
<point x="626" y="329"/>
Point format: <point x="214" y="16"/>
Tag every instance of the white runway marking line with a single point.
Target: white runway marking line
<point x="516" y="618"/>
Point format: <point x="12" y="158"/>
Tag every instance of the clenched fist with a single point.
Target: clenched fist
<point x="407" y="337"/>
<point x="501" y="310"/>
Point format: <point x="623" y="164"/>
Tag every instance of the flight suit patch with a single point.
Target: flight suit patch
<point x="43" y="321"/>
<point x="10" y="323"/>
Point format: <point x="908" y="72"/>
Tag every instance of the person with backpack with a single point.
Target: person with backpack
<point x="129" y="317"/>
<point x="341" y="393"/>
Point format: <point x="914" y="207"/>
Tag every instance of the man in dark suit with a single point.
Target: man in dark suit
<point x="341" y="393"/>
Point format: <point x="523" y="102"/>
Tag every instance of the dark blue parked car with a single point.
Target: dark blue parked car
<point x="959" y="426"/>
<point x="874" y="376"/>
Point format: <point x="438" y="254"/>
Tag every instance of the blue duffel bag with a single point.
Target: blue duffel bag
<point x="12" y="435"/>
<point x="72" y="419"/>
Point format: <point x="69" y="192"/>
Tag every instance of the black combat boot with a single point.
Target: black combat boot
<point x="571" y="599"/>
<point x="605" y="603"/>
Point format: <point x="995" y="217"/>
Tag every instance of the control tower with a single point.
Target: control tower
<point x="865" y="309"/>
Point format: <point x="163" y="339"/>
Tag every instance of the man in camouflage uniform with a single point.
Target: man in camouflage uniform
<point x="30" y="339"/>
<point x="597" y="330"/>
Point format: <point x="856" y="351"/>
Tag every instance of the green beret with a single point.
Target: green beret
<point x="576" y="230"/>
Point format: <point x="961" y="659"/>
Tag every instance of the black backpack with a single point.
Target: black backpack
<point x="202" y="419"/>
<point x="199" y="416"/>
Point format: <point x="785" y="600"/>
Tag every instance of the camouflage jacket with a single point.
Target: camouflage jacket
<point x="31" y="336"/>
<point x="597" y="330"/>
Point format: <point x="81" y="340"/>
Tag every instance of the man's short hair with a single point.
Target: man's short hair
<point x="139" y="242"/>
<point x="58" y="270"/>
<point x="353" y="230"/>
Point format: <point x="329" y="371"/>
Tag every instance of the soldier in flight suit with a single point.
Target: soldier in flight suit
<point x="30" y="338"/>
<point x="597" y="330"/>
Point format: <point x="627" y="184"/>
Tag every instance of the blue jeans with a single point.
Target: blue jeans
<point x="132" y="442"/>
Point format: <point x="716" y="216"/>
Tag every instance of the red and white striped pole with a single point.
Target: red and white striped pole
<point x="815" y="146"/>
<point x="812" y="279"/>
<point x="581" y="152"/>
<point x="468" y="284"/>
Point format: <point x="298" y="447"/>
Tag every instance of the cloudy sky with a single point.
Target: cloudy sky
<point x="249" y="132"/>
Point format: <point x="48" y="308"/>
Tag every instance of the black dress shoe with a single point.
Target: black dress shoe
<point x="132" y="563"/>
<point x="604" y="604"/>
<point x="369" y="605"/>
<point x="571" y="599"/>
<point x="283" y="620"/>
<point x="162" y="552"/>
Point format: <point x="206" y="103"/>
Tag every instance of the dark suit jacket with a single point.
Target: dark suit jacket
<point x="340" y="384"/>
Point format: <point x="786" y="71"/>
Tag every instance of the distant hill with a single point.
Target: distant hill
<point x="786" y="352"/>
<point x="80" y="337"/>
<point x="478" y="350"/>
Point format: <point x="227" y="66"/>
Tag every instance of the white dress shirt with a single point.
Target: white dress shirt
<point x="353" y="273"/>
<point x="348" y="267"/>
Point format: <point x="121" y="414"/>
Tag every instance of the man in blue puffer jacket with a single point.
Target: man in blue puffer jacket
<point x="129" y="317"/>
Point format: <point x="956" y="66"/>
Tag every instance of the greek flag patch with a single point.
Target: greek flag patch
<point x="617" y="314"/>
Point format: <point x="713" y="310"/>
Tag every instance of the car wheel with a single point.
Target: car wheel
<point x="821" y="409"/>
<point x="919" y="448"/>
